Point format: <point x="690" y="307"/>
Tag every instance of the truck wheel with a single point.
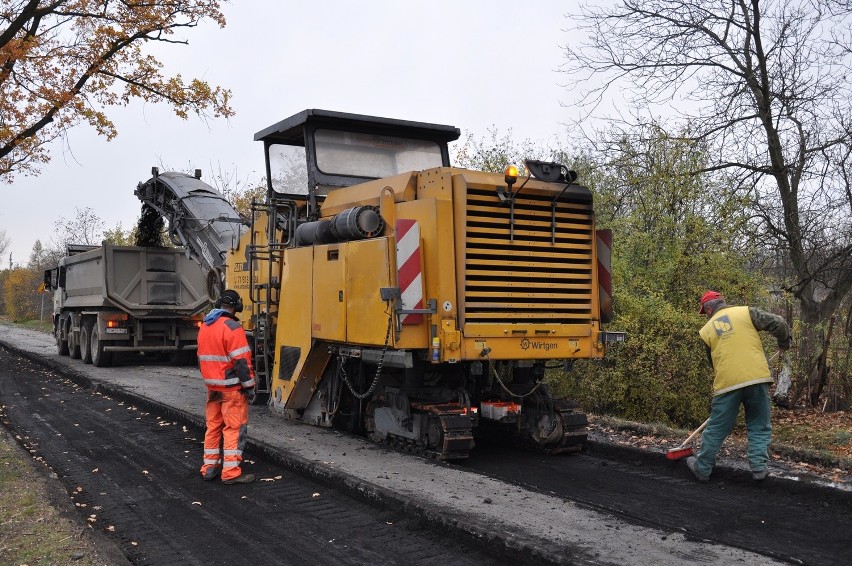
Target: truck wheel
<point x="85" y="342"/>
<point x="73" y="346"/>
<point x="61" y="345"/>
<point x="99" y="357"/>
<point x="183" y="358"/>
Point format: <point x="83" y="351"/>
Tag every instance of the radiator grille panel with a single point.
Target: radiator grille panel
<point x="531" y="278"/>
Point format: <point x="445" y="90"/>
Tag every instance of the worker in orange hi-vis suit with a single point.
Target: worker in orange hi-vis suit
<point x="224" y="358"/>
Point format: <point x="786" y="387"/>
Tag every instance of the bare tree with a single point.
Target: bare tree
<point x="767" y="86"/>
<point x="4" y="241"/>
<point x="85" y="228"/>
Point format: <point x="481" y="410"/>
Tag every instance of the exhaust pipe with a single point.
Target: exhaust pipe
<point x="355" y="223"/>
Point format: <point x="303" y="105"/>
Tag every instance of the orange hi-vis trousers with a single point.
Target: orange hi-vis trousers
<point x="225" y="439"/>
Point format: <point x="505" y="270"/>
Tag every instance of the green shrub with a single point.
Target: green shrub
<point x="659" y="374"/>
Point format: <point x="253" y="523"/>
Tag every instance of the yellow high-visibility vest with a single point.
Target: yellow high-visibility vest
<point x="736" y="350"/>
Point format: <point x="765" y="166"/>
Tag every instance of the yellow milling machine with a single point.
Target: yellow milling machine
<point x="399" y="297"/>
<point x="416" y="302"/>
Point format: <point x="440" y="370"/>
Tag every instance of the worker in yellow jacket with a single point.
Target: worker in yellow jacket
<point x="742" y="377"/>
<point x="224" y="358"/>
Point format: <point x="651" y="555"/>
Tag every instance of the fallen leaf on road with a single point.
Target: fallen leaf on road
<point x="315" y="494"/>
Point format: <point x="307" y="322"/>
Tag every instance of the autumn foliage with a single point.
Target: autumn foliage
<point x="65" y="62"/>
<point x="21" y="295"/>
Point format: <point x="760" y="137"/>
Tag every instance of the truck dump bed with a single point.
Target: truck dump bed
<point x="144" y="282"/>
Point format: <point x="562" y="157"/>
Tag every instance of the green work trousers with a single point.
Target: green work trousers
<point x="723" y="415"/>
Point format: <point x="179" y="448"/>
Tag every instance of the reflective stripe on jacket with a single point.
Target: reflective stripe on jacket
<point x="736" y="350"/>
<point x="224" y="356"/>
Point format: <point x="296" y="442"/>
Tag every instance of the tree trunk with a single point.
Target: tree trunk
<point x="815" y="378"/>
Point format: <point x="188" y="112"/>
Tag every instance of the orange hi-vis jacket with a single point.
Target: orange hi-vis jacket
<point x="224" y="356"/>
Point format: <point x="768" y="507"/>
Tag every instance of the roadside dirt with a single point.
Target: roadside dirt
<point x="834" y="467"/>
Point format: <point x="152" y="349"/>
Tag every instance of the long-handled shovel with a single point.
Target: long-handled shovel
<point x="684" y="449"/>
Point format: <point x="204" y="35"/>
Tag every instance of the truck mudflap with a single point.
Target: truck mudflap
<point x="443" y="431"/>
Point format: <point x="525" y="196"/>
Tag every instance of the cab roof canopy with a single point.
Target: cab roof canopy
<point x="298" y="130"/>
<point x="291" y="131"/>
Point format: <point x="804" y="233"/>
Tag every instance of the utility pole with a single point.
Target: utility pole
<point x="10" y="261"/>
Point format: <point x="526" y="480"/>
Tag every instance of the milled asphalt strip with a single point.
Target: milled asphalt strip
<point x="523" y="522"/>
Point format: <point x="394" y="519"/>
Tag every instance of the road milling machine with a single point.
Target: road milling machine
<point x="397" y="296"/>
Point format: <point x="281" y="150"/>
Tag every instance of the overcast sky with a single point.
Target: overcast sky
<point x="472" y="64"/>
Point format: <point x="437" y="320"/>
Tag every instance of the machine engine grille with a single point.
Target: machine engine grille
<point x="539" y="271"/>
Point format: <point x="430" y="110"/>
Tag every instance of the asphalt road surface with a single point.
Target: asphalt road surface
<point x="134" y="475"/>
<point x="609" y="506"/>
<point x="792" y="522"/>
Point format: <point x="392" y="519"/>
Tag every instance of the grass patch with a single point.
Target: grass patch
<point x="32" y="531"/>
<point x="40" y="325"/>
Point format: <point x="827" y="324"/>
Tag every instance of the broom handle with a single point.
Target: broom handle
<point x="697" y="430"/>
<point x="704" y="424"/>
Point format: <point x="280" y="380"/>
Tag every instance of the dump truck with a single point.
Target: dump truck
<point x="414" y="302"/>
<point x="109" y="299"/>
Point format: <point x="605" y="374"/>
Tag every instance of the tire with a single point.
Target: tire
<point x="85" y="341"/>
<point x="99" y="357"/>
<point x="61" y="345"/>
<point x="73" y="346"/>
<point x="183" y="358"/>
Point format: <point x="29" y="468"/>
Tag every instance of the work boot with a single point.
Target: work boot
<point x="244" y="478"/>
<point x="690" y="463"/>
<point x="760" y="475"/>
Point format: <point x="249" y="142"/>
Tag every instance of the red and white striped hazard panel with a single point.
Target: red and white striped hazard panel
<point x="409" y="269"/>
<point x="604" y="247"/>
